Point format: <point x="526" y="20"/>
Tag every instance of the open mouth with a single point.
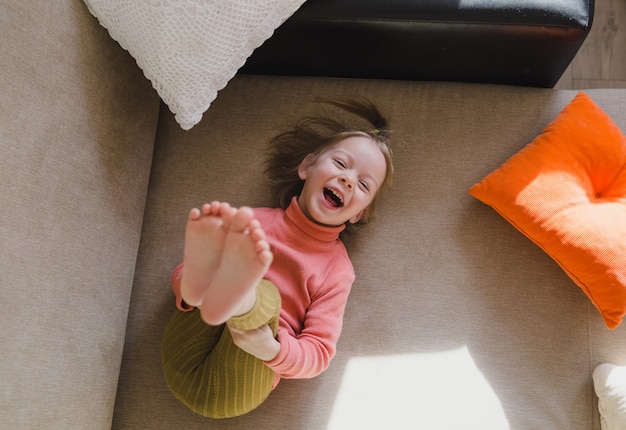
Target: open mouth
<point x="332" y="198"/>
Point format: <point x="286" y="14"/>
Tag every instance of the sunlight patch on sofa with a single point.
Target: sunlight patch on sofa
<point x="442" y="390"/>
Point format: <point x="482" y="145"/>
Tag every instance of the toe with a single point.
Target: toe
<point x="194" y="214"/>
<point x="242" y="219"/>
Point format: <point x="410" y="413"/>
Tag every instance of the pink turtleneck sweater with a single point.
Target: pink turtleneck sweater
<point x="313" y="273"/>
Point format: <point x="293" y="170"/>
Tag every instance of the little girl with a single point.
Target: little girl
<point x="261" y="292"/>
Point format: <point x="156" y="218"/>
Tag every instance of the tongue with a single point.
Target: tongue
<point x="330" y="198"/>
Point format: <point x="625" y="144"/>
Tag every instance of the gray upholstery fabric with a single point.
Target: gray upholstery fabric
<point x="452" y="307"/>
<point x="436" y="272"/>
<point x="77" y="124"/>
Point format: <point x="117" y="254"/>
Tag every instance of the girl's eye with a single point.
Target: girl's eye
<point x="364" y="185"/>
<point x="340" y="164"/>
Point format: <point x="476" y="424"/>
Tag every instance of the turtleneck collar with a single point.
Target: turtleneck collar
<point x="310" y="228"/>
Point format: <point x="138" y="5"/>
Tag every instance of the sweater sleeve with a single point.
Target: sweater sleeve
<point x="308" y="353"/>
<point x="177" y="274"/>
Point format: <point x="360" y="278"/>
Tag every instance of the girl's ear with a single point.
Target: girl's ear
<point x="303" y="168"/>
<point x="357" y="217"/>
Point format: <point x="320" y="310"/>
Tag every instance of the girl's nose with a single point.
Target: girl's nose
<point x="347" y="182"/>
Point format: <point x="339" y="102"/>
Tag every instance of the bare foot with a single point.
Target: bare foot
<point x="204" y="242"/>
<point x="245" y="259"/>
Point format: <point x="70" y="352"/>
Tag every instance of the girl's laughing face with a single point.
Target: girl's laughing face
<point x="341" y="182"/>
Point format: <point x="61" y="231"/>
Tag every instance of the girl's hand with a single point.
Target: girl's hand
<point x="259" y="342"/>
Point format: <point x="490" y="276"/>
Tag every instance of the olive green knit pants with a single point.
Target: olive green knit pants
<point x="207" y="371"/>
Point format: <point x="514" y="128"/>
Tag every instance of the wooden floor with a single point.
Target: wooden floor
<point x="601" y="60"/>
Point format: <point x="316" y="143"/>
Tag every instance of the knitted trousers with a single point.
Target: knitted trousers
<point x="206" y="371"/>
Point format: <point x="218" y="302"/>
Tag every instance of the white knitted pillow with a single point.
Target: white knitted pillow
<point x="190" y="49"/>
<point x="609" y="382"/>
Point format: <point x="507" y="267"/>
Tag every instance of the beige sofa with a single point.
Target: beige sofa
<point x="456" y="320"/>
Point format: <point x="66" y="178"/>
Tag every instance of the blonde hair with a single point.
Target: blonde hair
<point x="313" y="135"/>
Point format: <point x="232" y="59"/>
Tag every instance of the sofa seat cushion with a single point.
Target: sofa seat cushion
<point x="443" y="309"/>
<point x="566" y="191"/>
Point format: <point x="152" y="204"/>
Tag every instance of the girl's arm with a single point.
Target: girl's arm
<point x="308" y="353"/>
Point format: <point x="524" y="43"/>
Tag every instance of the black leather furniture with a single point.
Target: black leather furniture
<point x="518" y="42"/>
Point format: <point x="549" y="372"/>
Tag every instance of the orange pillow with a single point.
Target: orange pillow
<point x="566" y="191"/>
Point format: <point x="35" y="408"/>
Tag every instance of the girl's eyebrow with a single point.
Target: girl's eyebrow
<point x="341" y="151"/>
<point x="367" y="173"/>
<point x="344" y="154"/>
<point x="371" y="178"/>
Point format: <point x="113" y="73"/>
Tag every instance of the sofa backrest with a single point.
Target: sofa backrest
<point x="77" y="126"/>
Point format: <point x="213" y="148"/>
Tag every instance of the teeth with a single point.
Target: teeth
<point x="337" y="195"/>
<point x="334" y="196"/>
